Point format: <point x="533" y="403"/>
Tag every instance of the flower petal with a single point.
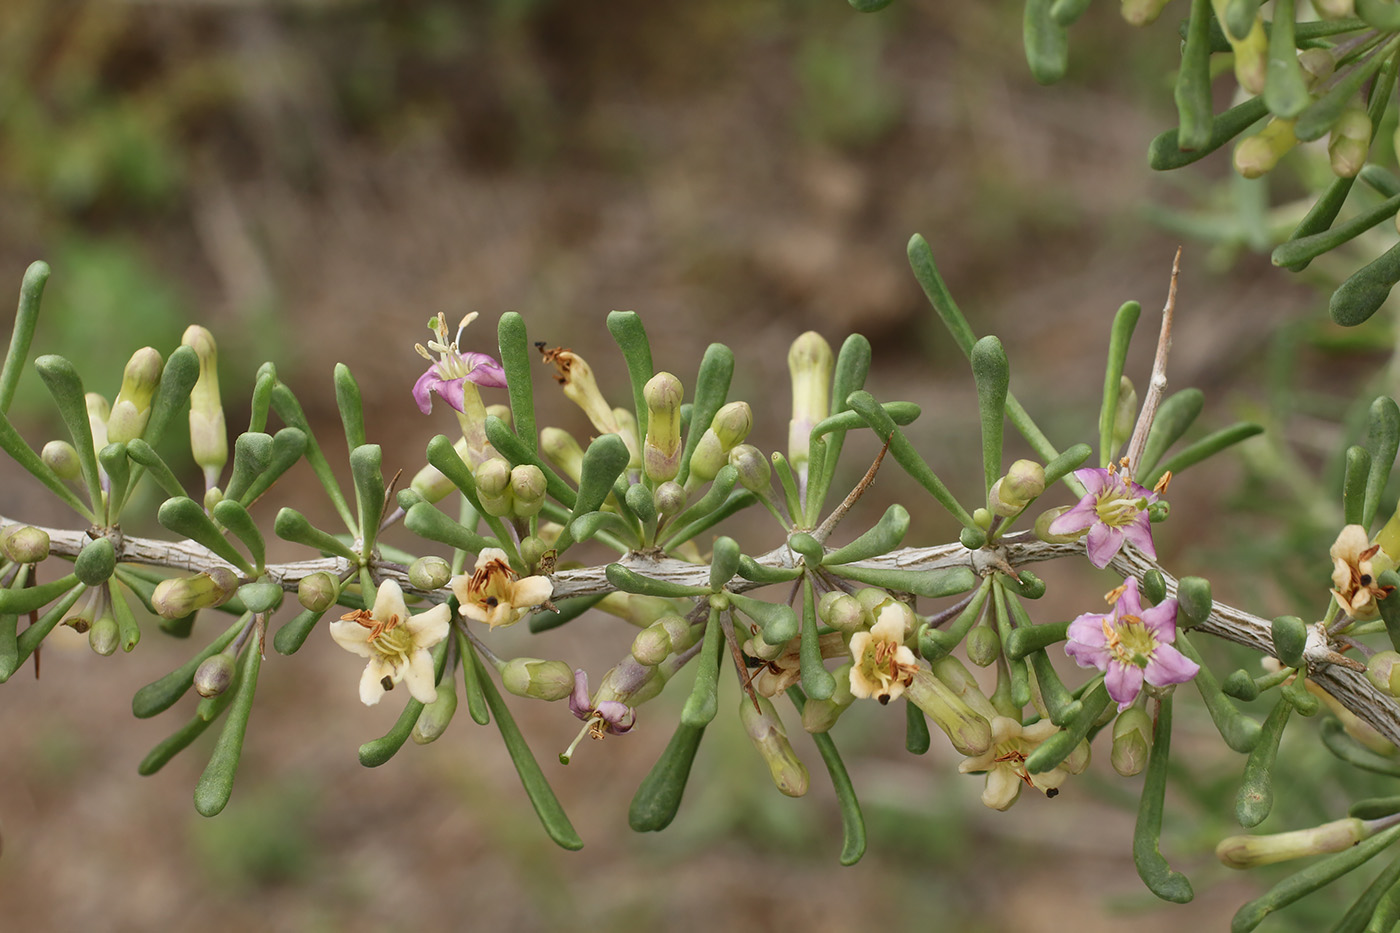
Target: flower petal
<point x="1139" y="531"/>
<point x="1124" y="683"/>
<point x="579" y="704"/>
<point x="1169" y="666"/>
<point x="1103" y="544"/>
<point x="352" y="636"/>
<point x="423" y="389"/>
<point x="388" y="602"/>
<point x="1094" y="479"/>
<point x="1078" y="518"/>
<point x="419" y="676"/>
<point x="429" y="628"/>
<point x="1002" y="788"/>
<point x="531" y="591"/>
<point x="1130" y="602"/>
<point x="372" y="681"/>
<point x="1160" y="620"/>
<point x="483" y="370"/>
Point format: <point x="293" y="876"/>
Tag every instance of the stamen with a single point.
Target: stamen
<point x="568" y="753"/>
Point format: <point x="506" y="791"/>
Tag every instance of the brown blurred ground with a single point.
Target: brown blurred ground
<point x="732" y="171"/>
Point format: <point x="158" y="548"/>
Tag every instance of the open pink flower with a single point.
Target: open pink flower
<point x="1130" y="645"/>
<point x="1113" y="510"/>
<point x="448" y="373"/>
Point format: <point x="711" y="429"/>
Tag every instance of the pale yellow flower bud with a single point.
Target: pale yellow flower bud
<point x="1349" y="143"/>
<point x="661" y="452"/>
<point x="563" y="451"/>
<point x="766" y="731"/>
<point x="208" y="432"/>
<point x="810" y="363"/>
<point x="1258" y="154"/>
<point x="132" y="409"/>
<point x="1253" y="851"/>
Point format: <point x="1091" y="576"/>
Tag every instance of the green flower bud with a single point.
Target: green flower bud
<point x="215" y="673"/>
<point x="843" y="612"/>
<point x="1349" y="143"/>
<point x="810" y="363"/>
<point x="1251" y="52"/>
<point x="870" y="598"/>
<point x="1258" y="154"/>
<point x="532" y="551"/>
<point x="983" y="519"/>
<point x="1383" y="670"/>
<point x="212" y="497"/>
<point x="755" y="472"/>
<point x="1317" y="64"/>
<point x="666" y="636"/>
<point x="179" y="596"/>
<point x="996" y="505"/>
<point x="527" y="487"/>
<point x="983" y="644"/>
<point x="969" y="732"/>
<point x="1124" y="416"/>
<point x="1042" y="526"/>
<point x="24" y="544"/>
<point x="429" y="573"/>
<point x="318" y="591"/>
<point x="431" y="484"/>
<point x="499" y="411"/>
<point x="132" y="409"/>
<point x="563" y="451"/>
<point x="1253" y="851"/>
<point x="1024" y="481"/>
<point x="766" y="732"/>
<point x="707" y="459"/>
<point x="661" y="452"/>
<point x="208" y="432"/>
<point x="1335" y="9"/>
<point x="1142" y="12"/>
<point x="104" y="636"/>
<point x="1132" y="741"/>
<point x="732" y="424"/>
<point x="821" y="715"/>
<point x="670" y="499"/>
<point x="952" y="672"/>
<point x="435" y="717"/>
<point x="60" y="457"/>
<point x="493" y="486"/>
<point x="542" y="680"/>
<point x="756" y="647"/>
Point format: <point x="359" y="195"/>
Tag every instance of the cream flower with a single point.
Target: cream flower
<point x="883" y="665"/>
<point x="1005" y="762"/>
<point x="495" y="594"/>
<point x="1356" y="563"/>
<point x="395" y="642"/>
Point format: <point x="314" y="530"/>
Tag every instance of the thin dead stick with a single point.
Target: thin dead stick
<point x="1157" y="387"/>
<point x="838" y="513"/>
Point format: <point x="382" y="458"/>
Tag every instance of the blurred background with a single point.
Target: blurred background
<point x="313" y="179"/>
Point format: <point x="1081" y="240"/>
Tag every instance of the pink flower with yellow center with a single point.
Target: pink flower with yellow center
<point x="1131" y="645"/>
<point x="1113" y="510"/>
<point x="450" y="372"/>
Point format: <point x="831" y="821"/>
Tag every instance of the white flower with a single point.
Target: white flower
<point x="1005" y="762"/>
<point x="495" y="594"/>
<point x="883" y="665"/>
<point x="395" y="642"/>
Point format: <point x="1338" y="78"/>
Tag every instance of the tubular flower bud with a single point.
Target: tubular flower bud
<point x="661" y="452"/>
<point x="214" y="674"/>
<point x="429" y="573"/>
<point x="104" y="636"/>
<point x="969" y="732"/>
<point x="581" y="388"/>
<point x="132" y="409"/>
<point x="318" y="591"/>
<point x="755" y="471"/>
<point x="1258" y="154"/>
<point x="666" y="636"/>
<point x="1335" y="9"/>
<point x="810" y="363"/>
<point x="843" y="612"/>
<point x="527" y="487"/>
<point x="563" y="451"/>
<point x="97" y="411"/>
<point x="1005" y="762"/>
<point x="24" y="544"/>
<point x="983" y="644"/>
<point x="493" y="486"/>
<point x="1253" y="851"/>
<point x="395" y="642"/>
<point x="1383" y="670"/>
<point x="1024" y="481"/>
<point x="1132" y="741"/>
<point x="766" y="731"/>
<point x="538" y="679"/>
<point x="1251" y="51"/>
<point x="208" y="433"/>
<point x="821" y="715"/>
<point x="431" y="483"/>
<point x="1318" y="64"/>
<point x="60" y="457"/>
<point x="732" y="424"/>
<point x="178" y="597"/>
<point x="499" y="411"/>
<point x="495" y="594"/>
<point x="670" y="499"/>
<point x="1349" y="143"/>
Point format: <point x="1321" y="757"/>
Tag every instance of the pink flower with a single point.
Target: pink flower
<point x="1113" y="510"/>
<point x="608" y="715"/>
<point x="1130" y="645"/>
<point x="449" y="373"/>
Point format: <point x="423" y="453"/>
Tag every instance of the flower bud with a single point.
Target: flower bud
<point x="950" y="671"/>
<point x="766" y="731"/>
<point x="60" y="457"/>
<point x="1383" y="670"/>
<point x="24" y="544"/>
<point x="1349" y="143"/>
<point x="821" y="715"/>
<point x="581" y="388"/>
<point x="499" y="411"/>
<point x="179" y="596"/>
<point x="1024" y="481"/>
<point x="97" y="411"/>
<point x="1142" y="12"/>
<point x="132" y="409"/>
<point x="215" y="673"/>
<point x="756" y="647"/>
<point x="104" y="636"/>
<point x="755" y="471"/>
<point x="431" y="483"/>
<point x="208" y="433"/>
<point x="661" y="453"/>
<point x="706" y="460"/>
<point x="1132" y="741"/>
<point x="1318" y="65"/>
<point x="629" y="683"/>
<point x="1046" y="518"/>
<point x="870" y="597"/>
<point x="433" y="720"/>
<point x="532" y="551"/>
<point x="563" y="451"/>
<point x="542" y="680"/>
<point x="983" y="644"/>
<point x="1252" y="57"/>
<point x="666" y="636"/>
<point x="527" y="487"/>
<point x="1258" y="154"/>
<point x="843" y="612"/>
<point x="1253" y="851"/>
<point x="969" y="732"/>
<point x="493" y="486"/>
<point x="810" y="362"/>
<point x="318" y="591"/>
<point x="1335" y="9"/>
<point x="670" y="499"/>
<point x="732" y="424"/>
<point x="428" y="573"/>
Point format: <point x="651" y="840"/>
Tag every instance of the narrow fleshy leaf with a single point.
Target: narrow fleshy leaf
<point x="711" y="392"/>
<point x="883" y="537"/>
<point x="852" y="366"/>
<point x="291" y="525"/>
<point x="1239" y="731"/>
<point x="817" y="681"/>
<point x="369" y="491"/>
<point x="1195" y="120"/>
<point x="992" y="374"/>
<point x="294" y="632"/>
<point x="66" y="387"/>
<point x="211" y="793"/>
<point x="1119" y="338"/>
<point x="1256" y="794"/>
<point x="852" y="821"/>
<point x="631" y="337"/>
<point x="31" y="292"/>
<point x="514" y="342"/>
<point x="187" y="517"/>
<point x="239" y="523"/>
<point x="1208" y="446"/>
<point x="289" y="410"/>
<point x="658" y="798"/>
<point x="1285" y="87"/>
<point x="1169" y="151"/>
<point x="471" y="680"/>
<point x="703" y="702"/>
<point x="1046" y="42"/>
<point x="905" y="455"/>
<point x="352" y="409"/>
<point x="1383" y="441"/>
<point x="1161" y="879"/>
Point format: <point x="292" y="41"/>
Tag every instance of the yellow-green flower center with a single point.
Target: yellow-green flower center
<point x="1130" y="640"/>
<point x="1115" y="507"/>
<point x="391" y="640"/>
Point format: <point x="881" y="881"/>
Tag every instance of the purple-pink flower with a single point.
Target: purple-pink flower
<point x="611" y="716"/>
<point x="1130" y="645"/>
<point x="1113" y="510"/>
<point x="449" y="373"/>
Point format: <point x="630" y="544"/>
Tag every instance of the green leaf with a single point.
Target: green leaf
<point x="703" y="702"/>
<point x="1256" y="794"/>
<point x="658" y="798"/>
<point x="352" y="409"/>
<point x="215" y="785"/>
<point x="711" y="391"/>
<point x="31" y="291"/>
<point x="1168" y="152"/>
<point x="1120" y="336"/>
<point x="852" y="821"/>
<point x="626" y="328"/>
<point x="817" y="681"/>
<point x="1046" y="42"/>
<point x="514" y="342"/>
<point x="186" y="517"/>
<point x="289" y="410"/>
<point x="1152" y="868"/>
<point x="992" y="374"/>
<point x="1363" y="293"/>
<point x="1383" y="441"/>
<point x="1194" y="109"/>
<point x="1285" y="87"/>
